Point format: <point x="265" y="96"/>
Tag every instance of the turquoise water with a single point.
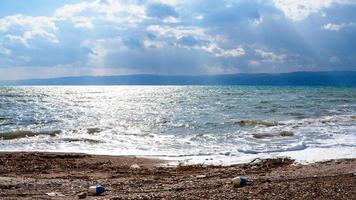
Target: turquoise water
<point x="179" y="121"/>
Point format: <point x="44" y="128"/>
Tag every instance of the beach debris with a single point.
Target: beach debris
<point x="135" y="167"/>
<point x="271" y="162"/>
<point x="96" y="190"/>
<point x="239" y="181"/>
<point x="82" y="195"/>
<point x="55" y="194"/>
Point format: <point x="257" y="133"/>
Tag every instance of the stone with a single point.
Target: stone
<point x="135" y="166"/>
<point x="82" y="195"/>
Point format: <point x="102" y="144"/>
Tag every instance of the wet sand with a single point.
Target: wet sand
<point x="33" y="175"/>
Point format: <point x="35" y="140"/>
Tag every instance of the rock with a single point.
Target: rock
<point x="239" y="181"/>
<point x="54" y="194"/>
<point x="135" y="166"/>
<point x="254" y="167"/>
<point x="22" y="134"/>
<point x="267" y="180"/>
<point x="94" y="130"/>
<point x="262" y="135"/>
<point x="258" y="123"/>
<point x="178" y="189"/>
<point x="82" y="195"/>
<point x="286" y="133"/>
<point x="200" y="176"/>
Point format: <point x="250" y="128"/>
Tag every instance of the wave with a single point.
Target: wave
<point x="301" y="119"/>
<point x="297" y="147"/>
<point x="298" y="122"/>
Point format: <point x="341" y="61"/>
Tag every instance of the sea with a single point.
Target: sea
<point x="184" y="124"/>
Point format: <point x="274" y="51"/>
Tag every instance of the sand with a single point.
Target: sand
<point x="25" y="175"/>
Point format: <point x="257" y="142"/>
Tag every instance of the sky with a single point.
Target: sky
<point x="45" y="39"/>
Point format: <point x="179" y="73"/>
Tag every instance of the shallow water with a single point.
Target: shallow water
<point x="180" y="122"/>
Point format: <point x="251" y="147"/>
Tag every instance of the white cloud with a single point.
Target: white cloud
<point x="70" y="10"/>
<point x="28" y="28"/>
<point x="337" y="27"/>
<point x="269" y="56"/>
<point x="31" y="34"/>
<point x="81" y="15"/>
<point x="195" y="32"/>
<point x="123" y="11"/>
<point x="199" y="17"/>
<point x="298" y="10"/>
<point x="39" y="22"/>
<point x="178" y="32"/>
<point x="220" y="52"/>
<point x="83" y="22"/>
<point x="112" y="11"/>
<point x="237" y="52"/>
<point x="171" y="20"/>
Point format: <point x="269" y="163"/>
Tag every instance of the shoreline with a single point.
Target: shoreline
<point x="28" y="175"/>
<point x="304" y="156"/>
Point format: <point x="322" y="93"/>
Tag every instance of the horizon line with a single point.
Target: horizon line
<point x="173" y="75"/>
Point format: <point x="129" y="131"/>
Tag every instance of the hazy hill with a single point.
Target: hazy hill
<point x="332" y="78"/>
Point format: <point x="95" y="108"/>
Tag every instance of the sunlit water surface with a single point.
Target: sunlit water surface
<point x="218" y="124"/>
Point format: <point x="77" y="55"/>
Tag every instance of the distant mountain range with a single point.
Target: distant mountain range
<point x="330" y="78"/>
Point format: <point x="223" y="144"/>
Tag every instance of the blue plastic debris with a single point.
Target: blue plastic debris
<point x="96" y="190"/>
<point x="239" y="181"/>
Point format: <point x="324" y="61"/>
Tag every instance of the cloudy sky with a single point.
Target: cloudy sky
<point x="42" y="38"/>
